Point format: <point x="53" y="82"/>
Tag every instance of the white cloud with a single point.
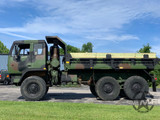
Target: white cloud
<point x="17" y="35"/>
<point x="156" y="49"/>
<point x="11" y="2"/>
<point x="114" y="38"/>
<point x="87" y="17"/>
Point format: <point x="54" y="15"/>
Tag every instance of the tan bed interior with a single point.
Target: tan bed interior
<point x="113" y="55"/>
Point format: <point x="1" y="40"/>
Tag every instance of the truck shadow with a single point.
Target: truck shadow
<point x="75" y="96"/>
<point x="71" y="96"/>
<point x="67" y="96"/>
<point x="64" y="96"/>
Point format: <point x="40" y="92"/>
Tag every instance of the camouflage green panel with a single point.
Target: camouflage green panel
<point x="102" y="64"/>
<point x="30" y="41"/>
<point x="17" y="64"/>
<point x="65" y="77"/>
<point x="15" y="79"/>
<point x="127" y="64"/>
<point x="39" y="61"/>
<point x="157" y="66"/>
<point x="12" y="66"/>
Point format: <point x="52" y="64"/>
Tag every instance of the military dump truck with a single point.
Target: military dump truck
<point x="107" y="74"/>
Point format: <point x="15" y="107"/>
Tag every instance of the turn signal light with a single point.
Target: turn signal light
<point x="7" y="76"/>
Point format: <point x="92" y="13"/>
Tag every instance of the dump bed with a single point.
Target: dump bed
<point x="145" y="61"/>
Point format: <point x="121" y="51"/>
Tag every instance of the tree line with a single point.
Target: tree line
<point x="88" y="47"/>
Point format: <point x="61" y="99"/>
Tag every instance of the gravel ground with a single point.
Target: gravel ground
<point x="61" y="94"/>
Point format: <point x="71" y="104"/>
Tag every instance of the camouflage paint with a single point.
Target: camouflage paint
<point x="101" y="66"/>
<point x="69" y="77"/>
<point x="24" y="63"/>
<point x="84" y="66"/>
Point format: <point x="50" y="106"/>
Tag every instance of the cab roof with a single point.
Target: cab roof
<point x="28" y="41"/>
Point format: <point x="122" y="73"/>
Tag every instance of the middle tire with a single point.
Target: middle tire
<point x="107" y="88"/>
<point x="93" y="91"/>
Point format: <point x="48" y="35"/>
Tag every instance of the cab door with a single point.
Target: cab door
<point x="39" y="56"/>
<point x="19" y="58"/>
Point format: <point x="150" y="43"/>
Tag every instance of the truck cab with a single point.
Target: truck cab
<point x="27" y="57"/>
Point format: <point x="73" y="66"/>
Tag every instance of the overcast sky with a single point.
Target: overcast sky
<point x="111" y="25"/>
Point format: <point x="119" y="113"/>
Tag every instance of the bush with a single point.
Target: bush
<point x="156" y="73"/>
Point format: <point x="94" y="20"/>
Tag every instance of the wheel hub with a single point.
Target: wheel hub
<point x="33" y="88"/>
<point x="136" y="87"/>
<point x="108" y="88"/>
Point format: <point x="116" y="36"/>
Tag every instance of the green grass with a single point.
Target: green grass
<point x="72" y="111"/>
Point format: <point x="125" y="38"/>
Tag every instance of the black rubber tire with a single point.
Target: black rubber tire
<point x="47" y="88"/>
<point x="33" y="88"/>
<point x="113" y="90"/>
<point x="136" y="88"/>
<point x="93" y="91"/>
<point x="6" y="82"/>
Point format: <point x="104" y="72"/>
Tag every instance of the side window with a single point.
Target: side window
<point x="38" y="49"/>
<point x="21" y="49"/>
<point x="24" y="49"/>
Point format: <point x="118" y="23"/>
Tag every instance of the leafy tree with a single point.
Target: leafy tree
<point x="87" y="47"/>
<point x="145" y="49"/>
<point x="3" y="49"/>
<point x="70" y="49"/>
<point x="156" y="73"/>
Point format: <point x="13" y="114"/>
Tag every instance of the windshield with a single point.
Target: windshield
<point x="21" y="49"/>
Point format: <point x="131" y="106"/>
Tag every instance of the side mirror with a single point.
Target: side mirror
<point x="16" y="57"/>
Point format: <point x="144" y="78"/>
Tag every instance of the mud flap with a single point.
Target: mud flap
<point x="154" y="85"/>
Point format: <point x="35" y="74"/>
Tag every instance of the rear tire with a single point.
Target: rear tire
<point x="33" y="88"/>
<point x="93" y="90"/>
<point x="136" y="88"/>
<point x="107" y="88"/>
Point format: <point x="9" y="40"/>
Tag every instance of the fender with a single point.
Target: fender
<point x="31" y="72"/>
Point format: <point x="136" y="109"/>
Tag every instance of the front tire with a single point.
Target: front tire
<point x="33" y="88"/>
<point x="107" y="88"/>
